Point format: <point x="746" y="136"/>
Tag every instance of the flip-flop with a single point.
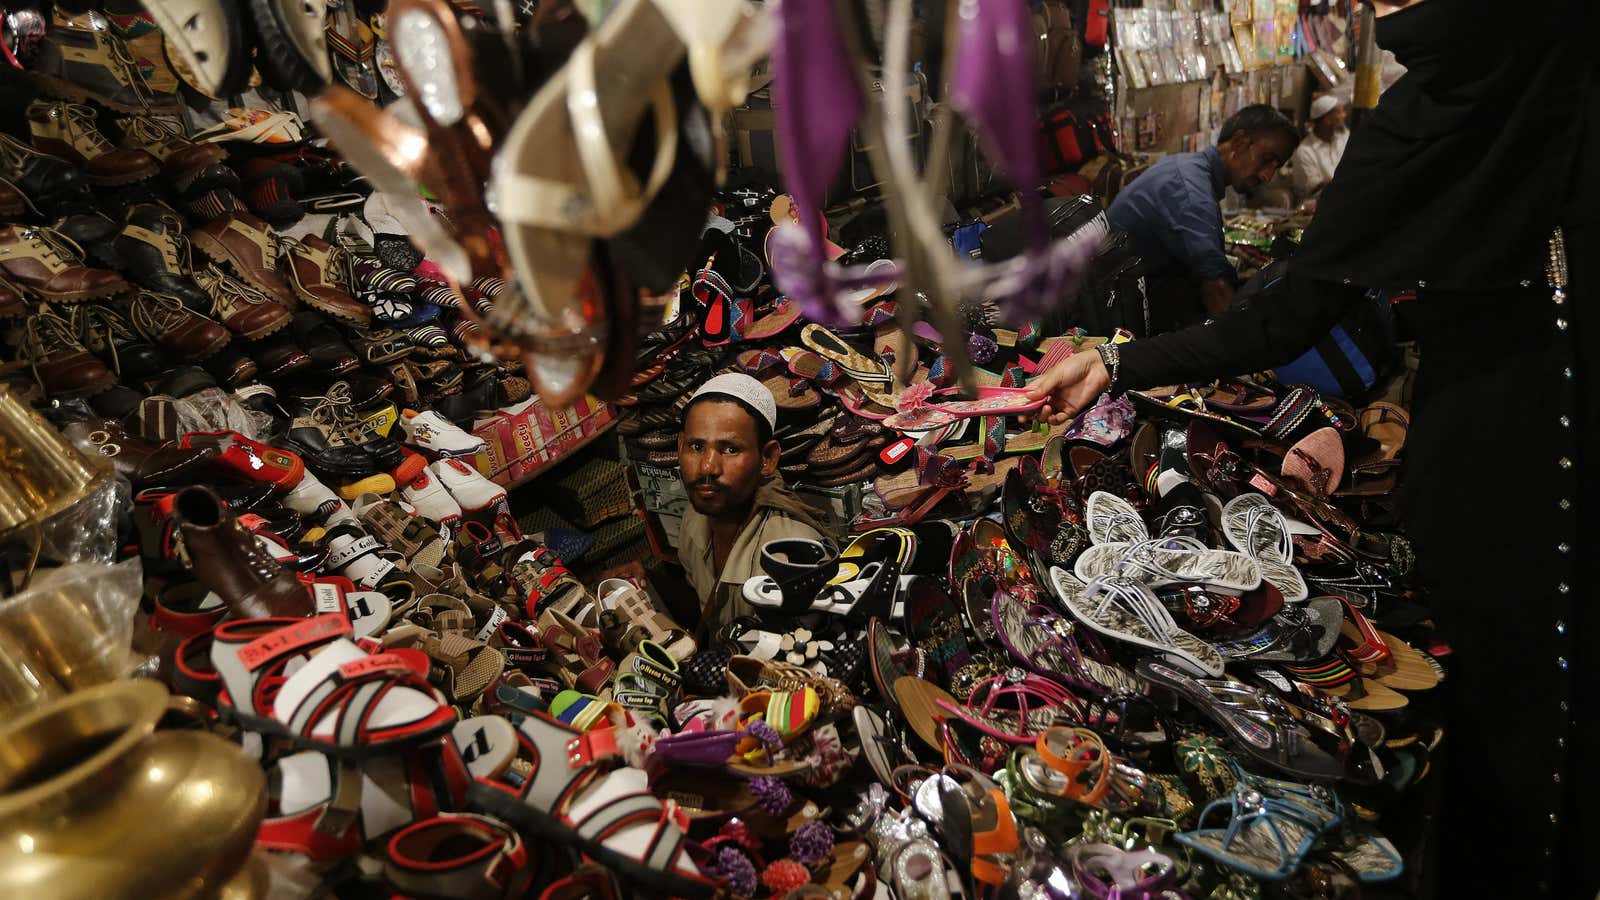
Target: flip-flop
<point x="1256" y="528"/>
<point x="1124" y="610"/>
<point x="919" y="701"/>
<point x="1113" y="520"/>
<point x="1405" y="669"/>
<point x="1171" y="561"/>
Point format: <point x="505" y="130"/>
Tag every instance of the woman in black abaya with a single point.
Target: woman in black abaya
<point x="1455" y="186"/>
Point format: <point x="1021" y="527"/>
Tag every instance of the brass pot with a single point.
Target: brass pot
<point x="95" y="802"/>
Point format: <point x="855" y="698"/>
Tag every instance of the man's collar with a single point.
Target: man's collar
<point x="1219" y="183"/>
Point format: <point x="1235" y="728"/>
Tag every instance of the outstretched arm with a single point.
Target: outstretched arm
<point x="1269" y="332"/>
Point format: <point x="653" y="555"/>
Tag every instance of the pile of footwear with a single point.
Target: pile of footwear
<point x="1166" y="649"/>
<point x="135" y="274"/>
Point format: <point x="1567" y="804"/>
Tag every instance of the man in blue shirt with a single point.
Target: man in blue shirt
<point x="1172" y="212"/>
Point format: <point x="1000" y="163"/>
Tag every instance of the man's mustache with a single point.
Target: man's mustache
<point x="708" y="482"/>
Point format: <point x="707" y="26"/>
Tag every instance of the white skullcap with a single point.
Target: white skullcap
<point x="746" y="390"/>
<point x="1323" y="105"/>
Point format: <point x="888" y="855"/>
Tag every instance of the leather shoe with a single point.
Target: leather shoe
<point x="142" y="462"/>
<point x="228" y="559"/>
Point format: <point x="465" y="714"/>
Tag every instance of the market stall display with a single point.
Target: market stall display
<point x="1171" y="648"/>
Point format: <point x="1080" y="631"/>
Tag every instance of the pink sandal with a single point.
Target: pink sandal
<point x="916" y="414"/>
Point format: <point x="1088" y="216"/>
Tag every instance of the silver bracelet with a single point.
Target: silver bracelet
<point x="1111" y="356"/>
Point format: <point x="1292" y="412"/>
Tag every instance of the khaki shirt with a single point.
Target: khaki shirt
<point x="744" y="560"/>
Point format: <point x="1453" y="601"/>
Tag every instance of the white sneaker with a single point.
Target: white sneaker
<point x="427" y="494"/>
<point x="312" y="499"/>
<point x="433" y="432"/>
<point x="467" y="485"/>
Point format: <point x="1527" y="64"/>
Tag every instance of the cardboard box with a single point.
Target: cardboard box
<point x="523" y="440"/>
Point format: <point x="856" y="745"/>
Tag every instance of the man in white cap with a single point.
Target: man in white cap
<point x="729" y="464"/>
<point x="1318" y="155"/>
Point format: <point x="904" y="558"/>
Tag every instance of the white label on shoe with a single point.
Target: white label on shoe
<point x="490" y="627"/>
<point x="326" y="599"/>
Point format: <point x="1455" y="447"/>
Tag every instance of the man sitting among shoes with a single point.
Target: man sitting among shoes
<point x="729" y="464"/>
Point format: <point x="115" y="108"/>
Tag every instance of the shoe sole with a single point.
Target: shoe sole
<point x="77" y="296"/>
<point x="214" y="251"/>
<point x="315" y="303"/>
<point x="263" y="332"/>
<point x="62" y="89"/>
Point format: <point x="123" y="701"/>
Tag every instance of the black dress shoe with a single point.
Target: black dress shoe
<point x="329" y="353"/>
<point x="278" y="356"/>
<point x="231" y="367"/>
<point x="119" y="402"/>
<point x="262" y="401"/>
<point x="186" y="381"/>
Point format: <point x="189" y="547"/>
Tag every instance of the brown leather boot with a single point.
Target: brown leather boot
<point x="82" y="59"/>
<point x="181" y="159"/>
<point x="248" y="245"/>
<point x="62" y="365"/>
<point x="46" y="265"/>
<point x="228" y="559"/>
<point x="246" y="311"/>
<point x="182" y="332"/>
<point x="142" y="462"/>
<point x="69" y="131"/>
<point x="320" y="274"/>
